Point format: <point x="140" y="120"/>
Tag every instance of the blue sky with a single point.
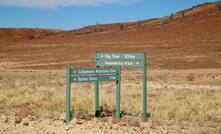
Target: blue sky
<point x="72" y="14"/>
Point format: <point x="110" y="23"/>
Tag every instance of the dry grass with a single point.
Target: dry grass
<point x="32" y="95"/>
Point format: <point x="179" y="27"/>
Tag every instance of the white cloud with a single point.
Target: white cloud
<point x="62" y="3"/>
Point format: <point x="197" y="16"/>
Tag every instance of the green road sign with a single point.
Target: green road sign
<point x="77" y="75"/>
<point x="112" y="56"/>
<point x="77" y="79"/>
<point x="126" y="60"/>
<point x="120" y="63"/>
<point x="93" y="71"/>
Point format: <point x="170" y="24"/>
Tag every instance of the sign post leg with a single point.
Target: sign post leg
<point x="97" y="110"/>
<point x="145" y="89"/>
<point x="118" y="95"/>
<point x="97" y="102"/>
<point x="68" y="95"/>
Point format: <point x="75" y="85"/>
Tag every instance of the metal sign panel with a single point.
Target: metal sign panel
<point x="120" y="63"/>
<point x="91" y="71"/>
<point x="112" y="56"/>
<point x="77" y="79"/>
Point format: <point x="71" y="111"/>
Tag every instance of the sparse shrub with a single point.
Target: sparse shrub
<point x="120" y="26"/>
<point x="151" y="78"/>
<point x="182" y="13"/>
<point x="162" y="78"/>
<point x="108" y="103"/>
<point x="59" y="83"/>
<point x="171" y="16"/>
<point x="190" y="77"/>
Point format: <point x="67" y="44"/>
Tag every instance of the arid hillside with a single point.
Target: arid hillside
<point x="187" y="39"/>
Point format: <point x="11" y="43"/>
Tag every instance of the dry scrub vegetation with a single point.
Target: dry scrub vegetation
<point x="168" y="104"/>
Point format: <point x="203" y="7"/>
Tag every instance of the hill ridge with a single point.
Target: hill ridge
<point x="29" y="34"/>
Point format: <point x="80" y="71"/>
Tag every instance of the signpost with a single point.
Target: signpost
<point x="126" y="60"/>
<point x="77" y="75"/>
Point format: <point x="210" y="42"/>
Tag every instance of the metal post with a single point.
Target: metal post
<point x="118" y="93"/>
<point x="68" y="95"/>
<point x="97" y="109"/>
<point x="145" y="88"/>
<point x="97" y="102"/>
